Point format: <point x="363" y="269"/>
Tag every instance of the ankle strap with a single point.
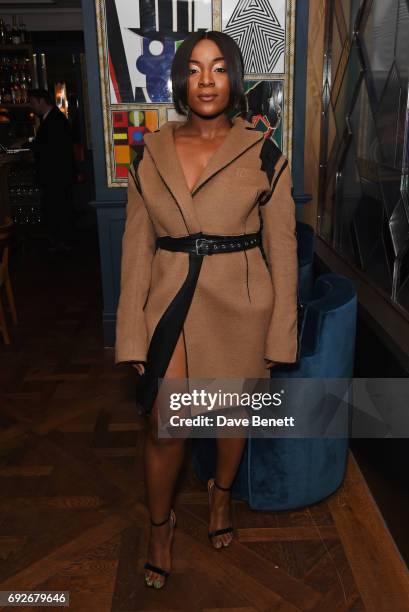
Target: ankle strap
<point x="162" y="522"/>
<point x="222" y="488"/>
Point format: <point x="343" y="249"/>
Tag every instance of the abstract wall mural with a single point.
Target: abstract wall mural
<point x="137" y="41"/>
<point x="142" y="42"/>
<point x="129" y="128"/>
<point x="265" y="101"/>
<point x="258" y="27"/>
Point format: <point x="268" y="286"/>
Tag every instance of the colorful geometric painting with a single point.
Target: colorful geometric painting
<point x="137" y="43"/>
<point x="266" y="106"/>
<point x="129" y="128"/>
<point x="259" y="28"/>
<point x="142" y="38"/>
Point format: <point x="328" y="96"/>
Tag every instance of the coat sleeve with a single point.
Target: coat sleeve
<point x="138" y="249"/>
<point x="280" y="248"/>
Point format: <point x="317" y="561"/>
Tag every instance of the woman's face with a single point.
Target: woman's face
<point x="208" y="85"/>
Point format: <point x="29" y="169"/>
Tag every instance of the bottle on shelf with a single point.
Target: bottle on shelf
<point x="15" y="32"/>
<point x="8" y="34"/>
<point x="23" y="87"/>
<point x="6" y="96"/>
<point x="3" y="36"/>
<point x="23" y="30"/>
<point x="14" y="90"/>
<point x="29" y="80"/>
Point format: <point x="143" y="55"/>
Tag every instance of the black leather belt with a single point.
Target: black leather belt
<point x="207" y="244"/>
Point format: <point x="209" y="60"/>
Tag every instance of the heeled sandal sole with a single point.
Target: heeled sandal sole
<point x="155" y="568"/>
<point x="216" y="532"/>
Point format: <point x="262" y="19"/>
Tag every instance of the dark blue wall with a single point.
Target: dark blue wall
<point x="103" y="195"/>
<point x="110" y="203"/>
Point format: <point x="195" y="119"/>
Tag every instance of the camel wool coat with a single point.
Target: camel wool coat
<point x="243" y="311"/>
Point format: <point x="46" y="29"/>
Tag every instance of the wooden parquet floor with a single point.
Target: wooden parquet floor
<point x="72" y="513"/>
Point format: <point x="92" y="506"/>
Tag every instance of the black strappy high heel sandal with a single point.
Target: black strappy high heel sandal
<point x="153" y="568"/>
<point x="210" y="485"/>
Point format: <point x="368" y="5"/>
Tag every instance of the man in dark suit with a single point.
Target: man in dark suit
<point x="55" y="167"/>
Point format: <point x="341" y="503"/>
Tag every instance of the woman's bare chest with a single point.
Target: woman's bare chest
<point x="194" y="155"/>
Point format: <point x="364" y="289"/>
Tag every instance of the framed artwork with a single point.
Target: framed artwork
<point x="137" y="41"/>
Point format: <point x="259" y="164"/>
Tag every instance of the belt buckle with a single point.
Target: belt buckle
<point x="198" y="245"/>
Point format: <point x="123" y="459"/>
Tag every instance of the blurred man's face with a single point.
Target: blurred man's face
<point x="38" y="106"/>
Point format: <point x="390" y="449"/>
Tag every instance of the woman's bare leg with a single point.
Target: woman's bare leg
<point x="163" y="458"/>
<point x="229" y="453"/>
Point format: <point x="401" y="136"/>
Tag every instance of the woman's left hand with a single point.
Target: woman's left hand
<point x="139" y="367"/>
<point x="270" y="364"/>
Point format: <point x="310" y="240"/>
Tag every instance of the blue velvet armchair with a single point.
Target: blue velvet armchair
<point x="305" y="252"/>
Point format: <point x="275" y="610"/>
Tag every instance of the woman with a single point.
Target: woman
<point x="203" y="309"/>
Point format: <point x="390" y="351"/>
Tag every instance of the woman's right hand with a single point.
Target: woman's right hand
<point x="139" y="367"/>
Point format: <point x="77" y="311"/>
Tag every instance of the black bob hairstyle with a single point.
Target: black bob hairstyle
<point x="234" y="65"/>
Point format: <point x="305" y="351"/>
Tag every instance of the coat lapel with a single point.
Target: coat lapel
<point x="161" y="146"/>
<point x="241" y="136"/>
